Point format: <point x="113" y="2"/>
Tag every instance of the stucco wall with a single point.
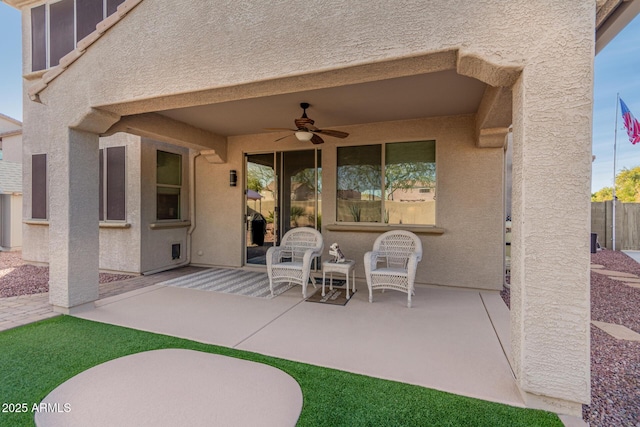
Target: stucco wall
<point x="135" y="247"/>
<point x="11" y="221"/>
<point x="8" y="124"/>
<point x="120" y="247"/>
<point x="219" y="220"/>
<point x="468" y="207"/>
<point x="156" y="52"/>
<point x="12" y="148"/>
<point x="36" y="140"/>
<point x="156" y="243"/>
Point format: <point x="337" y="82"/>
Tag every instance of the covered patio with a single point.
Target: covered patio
<point x="202" y="85"/>
<point x="451" y="340"/>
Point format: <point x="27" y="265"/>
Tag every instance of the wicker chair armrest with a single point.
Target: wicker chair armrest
<point x="370" y="263"/>
<point x="309" y="255"/>
<point x="412" y="266"/>
<point x="274" y="255"/>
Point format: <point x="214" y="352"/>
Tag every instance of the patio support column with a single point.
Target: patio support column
<point x="550" y="301"/>
<point x="73" y="220"/>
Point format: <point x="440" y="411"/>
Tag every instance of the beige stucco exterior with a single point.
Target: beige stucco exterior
<point x="10" y="183"/>
<point x="469" y="205"/>
<point x="12" y="147"/>
<point x="536" y="59"/>
<point x="10" y="221"/>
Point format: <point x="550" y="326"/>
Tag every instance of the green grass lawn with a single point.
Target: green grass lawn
<point x="36" y="358"/>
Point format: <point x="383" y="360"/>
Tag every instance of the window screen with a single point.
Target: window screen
<point x="116" y="182"/>
<point x="88" y="14"/>
<point x="39" y="186"/>
<point x="61" y="30"/>
<point x="112" y="6"/>
<point x="38" y="38"/>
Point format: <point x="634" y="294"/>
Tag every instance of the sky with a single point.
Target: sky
<point x="617" y="70"/>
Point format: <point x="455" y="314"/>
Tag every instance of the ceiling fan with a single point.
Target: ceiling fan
<point x="306" y="131"/>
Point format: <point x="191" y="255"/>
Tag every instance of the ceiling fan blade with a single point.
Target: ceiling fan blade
<point x="316" y="139"/>
<point x="279" y="129"/>
<point x="334" y="133"/>
<point x="281" y="138"/>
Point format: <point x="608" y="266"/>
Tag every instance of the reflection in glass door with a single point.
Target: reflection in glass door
<point x="283" y="192"/>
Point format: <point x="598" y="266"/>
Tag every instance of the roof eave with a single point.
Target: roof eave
<point x="19" y="4"/>
<point x="612" y="16"/>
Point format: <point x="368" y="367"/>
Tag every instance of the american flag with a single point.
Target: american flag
<point x="630" y="123"/>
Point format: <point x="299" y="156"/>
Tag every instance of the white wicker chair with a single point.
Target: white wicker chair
<point x="399" y="251"/>
<point x="291" y="261"/>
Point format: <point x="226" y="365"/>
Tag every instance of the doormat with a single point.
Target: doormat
<point x="336" y="282"/>
<point x="333" y="297"/>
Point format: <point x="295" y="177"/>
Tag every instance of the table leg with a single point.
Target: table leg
<point x="347" y="276"/>
<point x="323" y="278"/>
<point x="353" y="281"/>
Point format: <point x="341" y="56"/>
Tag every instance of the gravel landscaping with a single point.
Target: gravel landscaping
<point x="615" y="364"/>
<point x="18" y="278"/>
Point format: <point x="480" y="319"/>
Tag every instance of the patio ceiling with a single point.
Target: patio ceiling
<point x="441" y="93"/>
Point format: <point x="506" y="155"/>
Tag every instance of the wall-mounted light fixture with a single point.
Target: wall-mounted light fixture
<point x="233" y="178"/>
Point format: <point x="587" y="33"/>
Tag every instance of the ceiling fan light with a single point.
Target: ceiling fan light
<point x="304" y="136"/>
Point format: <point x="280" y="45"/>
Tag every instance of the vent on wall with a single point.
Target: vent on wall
<point x="175" y="251"/>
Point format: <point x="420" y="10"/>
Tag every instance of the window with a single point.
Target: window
<point x="38" y="38"/>
<point x="57" y="27"/>
<point x="169" y="185"/>
<point x="61" y="30"/>
<point x="113" y="184"/>
<point x="391" y="183"/>
<point x="39" y="186"/>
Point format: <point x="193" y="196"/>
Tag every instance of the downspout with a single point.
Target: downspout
<point x="193" y="155"/>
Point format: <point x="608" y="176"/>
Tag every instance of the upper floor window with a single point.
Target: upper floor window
<point x="391" y="183"/>
<point x="56" y="27"/>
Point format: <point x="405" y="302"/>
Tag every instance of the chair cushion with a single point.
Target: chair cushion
<point x="295" y="265"/>
<point x="389" y="272"/>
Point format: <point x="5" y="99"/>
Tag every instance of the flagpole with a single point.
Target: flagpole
<point x="615" y="140"/>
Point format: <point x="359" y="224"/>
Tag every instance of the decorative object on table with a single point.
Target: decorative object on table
<point x="398" y="252"/>
<point x="337" y="254"/>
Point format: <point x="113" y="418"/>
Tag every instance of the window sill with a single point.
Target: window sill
<point x="102" y="224"/>
<point x="381" y="228"/>
<point x="172" y="224"/>
<point x="36" y="222"/>
<point x="115" y="225"/>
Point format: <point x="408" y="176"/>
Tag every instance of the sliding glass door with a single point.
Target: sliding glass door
<point x="283" y="191"/>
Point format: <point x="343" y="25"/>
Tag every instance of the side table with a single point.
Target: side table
<point x="347" y="268"/>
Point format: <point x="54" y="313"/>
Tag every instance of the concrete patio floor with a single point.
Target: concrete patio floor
<point x="450" y="340"/>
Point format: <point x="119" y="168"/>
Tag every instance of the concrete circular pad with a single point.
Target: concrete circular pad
<point x="174" y="387"/>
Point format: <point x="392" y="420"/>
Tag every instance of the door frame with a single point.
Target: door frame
<point x="278" y="161"/>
